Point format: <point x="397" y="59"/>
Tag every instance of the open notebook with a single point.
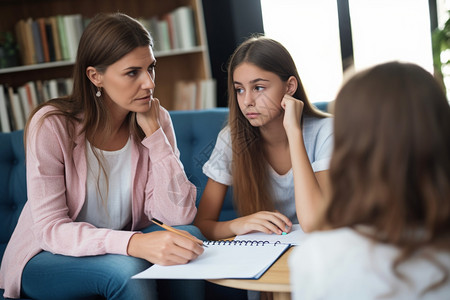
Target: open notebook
<point x="222" y="259"/>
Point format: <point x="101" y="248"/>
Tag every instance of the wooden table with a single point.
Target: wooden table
<point x="275" y="280"/>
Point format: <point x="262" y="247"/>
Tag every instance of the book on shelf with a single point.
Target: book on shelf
<point x="24" y="50"/>
<point x="63" y="37"/>
<point x="159" y="32"/>
<point x="185" y="95"/>
<point x="173" y="30"/>
<point x="74" y="28"/>
<point x="17" y="114"/>
<point x="31" y="93"/>
<point x="169" y="18"/>
<point x="152" y="25"/>
<point x="163" y="36"/>
<point x="30" y="49"/>
<point x="48" y="39"/>
<point x="183" y="18"/>
<point x="4" y="114"/>
<point x="16" y="104"/>
<point x="37" y="41"/>
<point x="53" y="22"/>
<point x="25" y="104"/>
<point x="27" y="52"/>
<point x="44" y="40"/>
<point x="208" y="93"/>
<point x="53" y="88"/>
<point x="195" y="94"/>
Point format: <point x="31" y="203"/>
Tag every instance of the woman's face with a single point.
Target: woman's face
<point x="259" y="93"/>
<point x="129" y="82"/>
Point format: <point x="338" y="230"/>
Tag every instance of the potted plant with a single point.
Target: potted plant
<point x="8" y="50"/>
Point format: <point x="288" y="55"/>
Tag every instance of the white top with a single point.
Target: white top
<point x="318" y="139"/>
<point x="117" y="212"/>
<point x="342" y="264"/>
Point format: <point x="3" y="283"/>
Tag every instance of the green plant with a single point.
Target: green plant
<point x="8" y="50"/>
<point x="441" y="43"/>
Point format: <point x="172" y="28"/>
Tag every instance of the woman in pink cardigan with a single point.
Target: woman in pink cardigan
<point x="100" y="164"/>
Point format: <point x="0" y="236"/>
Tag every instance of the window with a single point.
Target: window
<point x="382" y="30"/>
<point x="310" y="32"/>
<point x="386" y="30"/>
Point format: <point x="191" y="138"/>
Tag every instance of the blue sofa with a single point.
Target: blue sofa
<point x="196" y="133"/>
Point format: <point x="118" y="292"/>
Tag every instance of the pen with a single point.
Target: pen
<point x="170" y="228"/>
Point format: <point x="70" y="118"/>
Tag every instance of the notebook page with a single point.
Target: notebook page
<point x="221" y="261"/>
<point x="295" y="237"/>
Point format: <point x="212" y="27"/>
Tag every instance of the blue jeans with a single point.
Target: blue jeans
<point x="52" y="276"/>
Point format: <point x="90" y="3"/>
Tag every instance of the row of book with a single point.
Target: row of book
<point x="17" y="103"/>
<point x="195" y="94"/>
<point x="49" y="39"/>
<point x="174" y="30"/>
<point x="56" y="38"/>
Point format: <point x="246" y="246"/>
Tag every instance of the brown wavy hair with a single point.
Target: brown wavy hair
<point x="390" y="167"/>
<point x="250" y="176"/>
<point x="106" y="39"/>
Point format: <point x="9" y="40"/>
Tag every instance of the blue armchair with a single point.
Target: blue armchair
<point x="196" y="133"/>
<point x="12" y="184"/>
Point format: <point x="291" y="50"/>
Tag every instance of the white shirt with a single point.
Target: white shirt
<point x="115" y="213"/>
<point x="343" y="264"/>
<point x="318" y="140"/>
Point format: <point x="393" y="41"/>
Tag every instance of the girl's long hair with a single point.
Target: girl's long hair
<point x="250" y="175"/>
<point x="390" y="168"/>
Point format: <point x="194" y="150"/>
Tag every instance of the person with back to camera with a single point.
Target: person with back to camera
<point x="275" y="142"/>
<point x="100" y="164"/>
<point x="389" y="211"/>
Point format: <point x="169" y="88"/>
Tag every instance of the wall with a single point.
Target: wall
<point x="228" y="23"/>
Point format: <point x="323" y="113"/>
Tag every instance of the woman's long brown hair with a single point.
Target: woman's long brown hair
<point x="250" y="175"/>
<point x="106" y="39"/>
<point x="390" y="167"/>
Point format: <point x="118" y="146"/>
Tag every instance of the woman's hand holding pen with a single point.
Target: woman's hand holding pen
<point x="164" y="247"/>
<point x="149" y="120"/>
<point x="293" y="109"/>
<point x="263" y="221"/>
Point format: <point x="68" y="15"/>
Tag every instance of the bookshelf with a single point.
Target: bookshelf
<point x="181" y="64"/>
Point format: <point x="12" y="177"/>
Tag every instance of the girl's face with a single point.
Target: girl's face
<point x="259" y="93"/>
<point x="129" y="83"/>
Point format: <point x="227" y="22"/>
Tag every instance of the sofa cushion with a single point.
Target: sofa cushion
<point x="196" y="132"/>
<point x="13" y="190"/>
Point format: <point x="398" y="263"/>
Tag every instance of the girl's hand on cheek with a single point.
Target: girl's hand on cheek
<point x="149" y="120"/>
<point x="293" y="109"/>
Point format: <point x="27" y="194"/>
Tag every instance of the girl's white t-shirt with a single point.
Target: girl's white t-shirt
<point x="113" y="212"/>
<point x="318" y="140"/>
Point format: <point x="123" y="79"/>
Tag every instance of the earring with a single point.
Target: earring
<point x="99" y="92"/>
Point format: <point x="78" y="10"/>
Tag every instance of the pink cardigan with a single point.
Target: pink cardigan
<point x="56" y="183"/>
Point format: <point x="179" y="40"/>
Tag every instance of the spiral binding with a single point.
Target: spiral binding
<point x="240" y="243"/>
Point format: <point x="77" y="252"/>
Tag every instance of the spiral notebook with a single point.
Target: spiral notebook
<point x="294" y="237"/>
<point x="223" y="259"/>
